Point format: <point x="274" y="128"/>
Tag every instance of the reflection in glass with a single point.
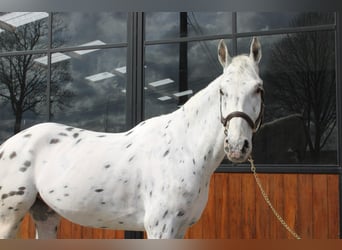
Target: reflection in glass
<point x="21" y="31"/>
<point x="22" y="94"/>
<point x="94" y="95"/>
<point x="299" y="78"/>
<point x="196" y="24"/>
<point x="85" y="29"/>
<point x="169" y="82"/>
<point x="262" y="21"/>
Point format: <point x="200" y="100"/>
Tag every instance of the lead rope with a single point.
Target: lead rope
<point x="281" y="220"/>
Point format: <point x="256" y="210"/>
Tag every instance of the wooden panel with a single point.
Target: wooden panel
<point x="236" y="210"/>
<point x="309" y="203"/>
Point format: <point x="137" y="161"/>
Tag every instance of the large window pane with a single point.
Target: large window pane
<point x="173" y="74"/>
<point x="92" y="94"/>
<point x="22" y="94"/>
<point x="261" y="21"/>
<point x="168" y="25"/>
<point x="21" y="31"/>
<point x="300" y="116"/>
<point x="94" y="28"/>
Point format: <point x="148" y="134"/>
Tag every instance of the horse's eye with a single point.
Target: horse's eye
<point x="259" y="90"/>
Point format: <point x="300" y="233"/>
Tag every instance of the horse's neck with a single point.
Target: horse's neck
<point x="204" y="133"/>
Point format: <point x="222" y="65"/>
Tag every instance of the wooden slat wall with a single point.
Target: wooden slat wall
<point x="236" y="210"/>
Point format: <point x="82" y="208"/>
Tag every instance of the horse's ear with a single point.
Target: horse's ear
<point x="255" y="50"/>
<point x="223" y="54"/>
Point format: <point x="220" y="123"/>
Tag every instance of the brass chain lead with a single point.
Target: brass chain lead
<point x="281" y="220"/>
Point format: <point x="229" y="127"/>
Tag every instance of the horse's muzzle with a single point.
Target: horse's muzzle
<point x="239" y="152"/>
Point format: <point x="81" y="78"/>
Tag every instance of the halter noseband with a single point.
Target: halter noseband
<point x="254" y="125"/>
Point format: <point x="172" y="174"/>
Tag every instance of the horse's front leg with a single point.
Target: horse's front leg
<point x="166" y="226"/>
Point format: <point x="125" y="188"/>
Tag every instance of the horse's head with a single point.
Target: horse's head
<point x="241" y="100"/>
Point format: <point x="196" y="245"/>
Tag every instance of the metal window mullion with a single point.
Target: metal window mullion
<point x="338" y="62"/>
<point x="234" y="33"/>
<point x="135" y="69"/>
<point x="49" y="73"/>
<point x="327" y="27"/>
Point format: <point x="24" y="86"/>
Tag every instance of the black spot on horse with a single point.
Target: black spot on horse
<point x="10" y="208"/>
<point x="78" y="141"/>
<point x="69" y="128"/>
<point x="166" y="212"/>
<point x="27" y="135"/>
<point x="75" y="135"/>
<point x="164" y="228"/>
<point x="103" y="203"/>
<point x="63" y="134"/>
<point x="13" y="154"/>
<point x="51" y="191"/>
<point x="66" y="195"/>
<point x="180" y="213"/>
<point x="22" y="188"/>
<point x="101" y="136"/>
<point x="130" y="159"/>
<point x="4" y="196"/>
<point x="66" y="186"/>
<point x="27" y="163"/>
<point x="22" y="169"/>
<point x="121" y="222"/>
<point x="129" y="145"/>
<point x="107" y="166"/>
<point x="21" y="192"/>
<point x="150" y="193"/>
<point x="130" y="132"/>
<point x="99" y="190"/>
<point x="166" y="153"/>
<point x="12" y="193"/>
<point x="157" y="223"/>
<point x="1" y="154"/>
<point x="193" y="161"/>
<point x="54" y="141"/>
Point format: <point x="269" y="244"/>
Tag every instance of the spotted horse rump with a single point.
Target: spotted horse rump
<point x="154" y="177"/>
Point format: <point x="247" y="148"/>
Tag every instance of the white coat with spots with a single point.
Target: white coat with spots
<point x="155" y="177"/>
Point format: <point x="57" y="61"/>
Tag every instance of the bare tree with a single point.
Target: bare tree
<point x="22" y="80"/>
<point x="302" y="78"/>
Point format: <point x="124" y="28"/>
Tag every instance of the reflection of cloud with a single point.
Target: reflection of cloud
<point x="80" y="27"/>
<point x="256" y="21"/>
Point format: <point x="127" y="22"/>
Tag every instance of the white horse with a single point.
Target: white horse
<point x="155" y="177"/>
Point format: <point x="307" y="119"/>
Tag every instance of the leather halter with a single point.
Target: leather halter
<point x="254" y="125"/>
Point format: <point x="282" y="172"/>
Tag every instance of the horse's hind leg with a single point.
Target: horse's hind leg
<point x="46" y="220"/>
<point x="14" y="204"/>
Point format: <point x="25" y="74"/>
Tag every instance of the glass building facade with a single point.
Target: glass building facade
<point x="107" y="71"/>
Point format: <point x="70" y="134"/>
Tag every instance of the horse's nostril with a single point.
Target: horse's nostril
<point x="245" y="145"/>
